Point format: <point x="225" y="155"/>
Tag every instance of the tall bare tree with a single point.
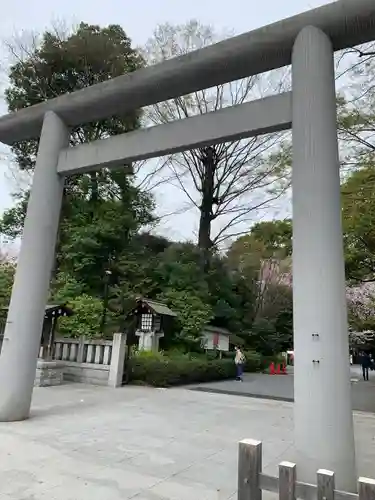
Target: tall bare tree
<point x="227" y="183"/>
<point x="356" y="107"/>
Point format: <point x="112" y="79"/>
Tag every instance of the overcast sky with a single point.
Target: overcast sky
<point x="139" y="20"/>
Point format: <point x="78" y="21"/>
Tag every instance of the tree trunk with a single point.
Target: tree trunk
<point x="204" y="240"/>
<point x="208" y="188"/>
<point x="94" y="194"/>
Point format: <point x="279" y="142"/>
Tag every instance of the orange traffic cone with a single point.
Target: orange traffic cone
<point x="272" y="369"/>
<point x="278" y="370"/>
<point x="284" y="370"/>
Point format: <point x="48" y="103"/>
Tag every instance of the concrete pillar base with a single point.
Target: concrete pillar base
<point x="145" y="342"/>
<point x="48" y="373"/>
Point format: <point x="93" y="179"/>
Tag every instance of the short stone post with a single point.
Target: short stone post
<point x="116" y="369"/>
<point x="81" y="349"/>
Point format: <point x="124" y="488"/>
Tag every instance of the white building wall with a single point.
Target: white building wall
<point x="208" y="341"/>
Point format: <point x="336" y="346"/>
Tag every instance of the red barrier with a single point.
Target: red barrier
<point x="279" y="370"/>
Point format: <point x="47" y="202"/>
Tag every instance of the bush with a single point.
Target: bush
<point x="256" y="362"/>
<point x="143" y="354"/>
<point x="161" y="371"/>
<point x="253" y="361"/>
<point x="174" y="368"/>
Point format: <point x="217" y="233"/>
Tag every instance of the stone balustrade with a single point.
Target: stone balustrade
<point x="97" y="362"/>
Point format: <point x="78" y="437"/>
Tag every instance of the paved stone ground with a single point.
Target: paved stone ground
<point x="88" y="443"/>
<point x="280" y="388"/>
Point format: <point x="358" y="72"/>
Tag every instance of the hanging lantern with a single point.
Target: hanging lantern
<point x="146" y="322"/>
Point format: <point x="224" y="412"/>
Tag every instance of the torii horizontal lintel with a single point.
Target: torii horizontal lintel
<point x="267" y="115"/>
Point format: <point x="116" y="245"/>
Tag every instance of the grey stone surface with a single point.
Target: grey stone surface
<point x="48" y="373"/>
<point x="348" y="23"/>
<point x="280" y="388"/>
<point x="35" y="260"/>
<point x="85" y="373"/>
<point x="85" y="442"/>
<point x="271" y="114"/>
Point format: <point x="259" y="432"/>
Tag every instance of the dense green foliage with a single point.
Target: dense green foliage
<point x="101" y="210"/>
<point x="106" y="240"/>
<point x="162" y="371"/>
<point x="6" y="280"/>
<point x="86" y="318"/>
<point x="172" y="368"/>
<point x="359" y="230"/>
<point x="104" y="216"/>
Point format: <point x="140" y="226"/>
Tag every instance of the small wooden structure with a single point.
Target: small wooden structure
<point x="52" y="313"/>
<point x="217" y="338"/>
<point x="151" y="317"/>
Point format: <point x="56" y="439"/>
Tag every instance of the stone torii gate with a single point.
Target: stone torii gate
<point x="323" y="417"/>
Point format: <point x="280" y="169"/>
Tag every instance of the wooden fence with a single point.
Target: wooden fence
<point x="252" y="481"/>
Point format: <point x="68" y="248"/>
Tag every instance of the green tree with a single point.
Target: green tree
<point x="267" y="247"/>
<point x="7" y="269"/>
<point x="193" y="315"/>
<point x="135" y="272"/>
<point x="265" y="337"/>
<point x="358" y="201"/>
<point x="63" y="64"/>
<point x="174" y="276"/>
<point x="94" y="242"/>
<point x="183" y="287"/>
<point x="261" y="260"/>
<point x="101" y="210"/>
<point x="179" y="269"/>
<point x="86" y="318"/>
<point x="276" y="236"/>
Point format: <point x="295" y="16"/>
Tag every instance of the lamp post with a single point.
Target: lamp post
<point x="107" y="276"/>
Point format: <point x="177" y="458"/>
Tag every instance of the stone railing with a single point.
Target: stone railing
<point x="97" y="362"/>
<point x="81" y="350"/>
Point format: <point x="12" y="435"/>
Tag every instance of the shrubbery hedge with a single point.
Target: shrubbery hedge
<point x="166" y="372"/>
<point x="253" y="362"/>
